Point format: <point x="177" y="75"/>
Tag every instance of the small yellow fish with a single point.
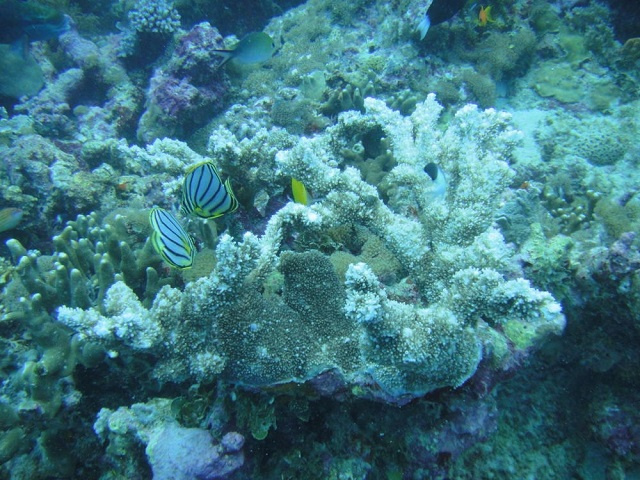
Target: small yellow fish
<point x="300" y="194"/>
<point x="254" y="48"/>
<point x="484" y="16"/>
<point x="10" y="218"/>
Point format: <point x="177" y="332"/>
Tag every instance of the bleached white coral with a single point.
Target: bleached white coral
<point x="257" y="317"/>
<point x="485" y="295"/>
<point x="168" y="155"/>
<point x="126" y="320"/>
<point x="364" y="296"/>
<point x="162" y="156"/>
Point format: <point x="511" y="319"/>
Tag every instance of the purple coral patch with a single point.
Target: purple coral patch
<point x="189" y="89"/>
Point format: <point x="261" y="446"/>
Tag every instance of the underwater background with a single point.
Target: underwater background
<point x="320" y="240"/>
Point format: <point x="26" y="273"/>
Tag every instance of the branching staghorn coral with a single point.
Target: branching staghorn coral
<point x="315" y="328"/>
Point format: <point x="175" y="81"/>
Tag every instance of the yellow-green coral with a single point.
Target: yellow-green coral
<point x="619" y="218"/>
<point x="547" y="261"/>
<point x="558" y="80"/>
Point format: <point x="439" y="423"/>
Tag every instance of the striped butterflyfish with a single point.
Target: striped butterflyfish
<point x="170" y="240"/>
<point x="204" y="194"/>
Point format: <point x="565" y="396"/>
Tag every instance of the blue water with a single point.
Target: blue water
<point x="386" y="325"/>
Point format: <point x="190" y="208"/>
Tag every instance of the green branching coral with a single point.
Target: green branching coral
<point x="88" y="259"/>
<point x="471" y="301"/>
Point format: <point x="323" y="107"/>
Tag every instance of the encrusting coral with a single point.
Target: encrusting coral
<point x="473" y="301"/>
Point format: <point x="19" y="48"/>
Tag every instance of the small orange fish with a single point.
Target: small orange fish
<point x="484" y="16"/>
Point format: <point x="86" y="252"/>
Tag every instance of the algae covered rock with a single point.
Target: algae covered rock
<point x="173" y="452"/>
<point x="19" y="75"/>
<point x="559" y="81"/>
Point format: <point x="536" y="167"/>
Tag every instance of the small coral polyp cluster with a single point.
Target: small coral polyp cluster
<point x="154" y="16"/>
<point x="340" y="334"/>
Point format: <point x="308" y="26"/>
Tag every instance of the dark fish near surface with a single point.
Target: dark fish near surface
<point x="443" y="10"/>
<point x="438" y="12"/>
<point x="31" y="20"/>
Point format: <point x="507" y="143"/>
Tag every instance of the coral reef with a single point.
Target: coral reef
<point x="58" y="110"/>
<point x="154" y="16"/>
<point x="51" y="185"/>
<point x="442" y="249"/>
<point x="505" y="54"/>
<point x="615" y="424"/>
<point x="222" y="324"/>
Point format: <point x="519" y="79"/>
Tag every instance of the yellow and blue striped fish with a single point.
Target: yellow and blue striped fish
<point x="170" y="240"/>
<point x="204" y="194"/>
